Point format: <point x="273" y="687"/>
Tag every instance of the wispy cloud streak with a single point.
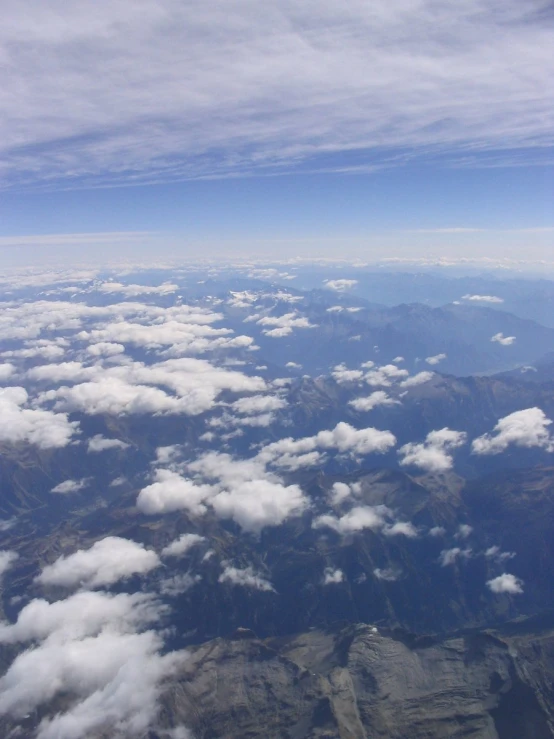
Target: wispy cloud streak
<point x="158" y="90"/>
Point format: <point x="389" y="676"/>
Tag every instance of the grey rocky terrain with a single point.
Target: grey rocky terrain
<point x="359" y="682"/>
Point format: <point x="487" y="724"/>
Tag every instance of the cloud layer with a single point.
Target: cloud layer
<point x="177" y="91"/>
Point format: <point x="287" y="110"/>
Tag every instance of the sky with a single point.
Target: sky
<point x="400" y="128"/>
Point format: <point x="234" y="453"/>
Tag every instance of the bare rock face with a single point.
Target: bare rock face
<point x="358" y="683"/>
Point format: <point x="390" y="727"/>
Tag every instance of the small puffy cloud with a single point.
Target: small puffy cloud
<point x="377" y="398"/>
<point x="385" y="375"/>
<point x="433" y="455"/>
<point x="262" y="420"/>
<point x="7" y="558"/>
<point x="293" y="365"/>
<point x="435" y="359"/>
<point x="332" y="576"/>
<point x="527" y="428"/>
<point x="389" y="574"/>
<point x="167" y="454"/>
<point x="279" y="382"/>
<point x="70" y="486"/>
<point x="344" y="438"/>
<point x="172" y="492"/>
<point x="278" y="333"/>
<point x="285" y="297"/>
<point x="182" y="545"/>
<point x="418" y="379"/>
<point x="62" y="372"/>
<point x="255" y="504"/>
<point x="109" y="560"/>
<point x="283" y="325"/>
<point x="497" y="555"/>
<point x="241" y="490"/>
<point x="258" y="404"/>
<point x="437" y="531"/>
<point x="449" y="557"/>
<point x="340" y="492"/>
<point x="506" y="583"/>
<point x="400" y="528"/>
<point x="246" y="578"/>
<point x="357" y="519"/>
<point x="99" y="443"/>
<point x="343" y="375"/>
<point x="464" y="530"/>
<point x="44" y="429"/>
<point x="483" y="298"/>
<point x="178" y="584"/>
<point x="105" y="349"/>
<point x="340" y="285"/>
<point x="499" y="338"/>
<point x="294" y="461"/>
<point x="6" y="371"/>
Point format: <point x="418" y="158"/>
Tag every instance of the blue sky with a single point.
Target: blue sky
<point x="407" y="127"/>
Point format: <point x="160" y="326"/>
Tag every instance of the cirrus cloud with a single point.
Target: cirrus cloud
<point x="245" y="89"/>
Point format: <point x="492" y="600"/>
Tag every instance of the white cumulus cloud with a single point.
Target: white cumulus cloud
<point x="332" y="576"/>
<point x="340" y="285"/>
<point x="99" y="443"/>
<point x="506" y="583"/>
<point x="94" y="650"/>
<point x="377" y="398"/>
<point x="434" y="454"/>
<point x="70" y="486"/>
<point x="418" y="379"/>
<point x="7" y="558"/>
<point x="449" y="557"/>
<point x="108" y="560"/>
<point x="246" y="578"/>
<point x="357" y="519"/>
<point x="435" y="359"/>
<point x="284" y="325"/>
<point x="41" y="428"/>
<point x="503" y="340"/>
<point x="182" y="545"/>
<point x="172" y="492"/>
<point x="526" y="428"/>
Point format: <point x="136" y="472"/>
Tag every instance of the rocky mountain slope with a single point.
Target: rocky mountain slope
<point x="358" y="682"/>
